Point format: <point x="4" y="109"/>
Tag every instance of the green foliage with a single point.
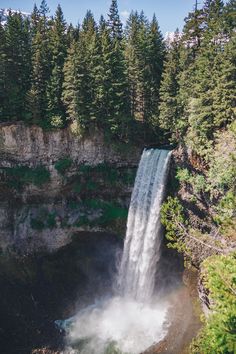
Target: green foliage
<point x="94" y="76"/>
<point x="197" y="181"/>
<point x="183" y="175"/>
<point x="169" y="109"/>
<point x="18" y="176"/>
<point x="222" y="173"/>
<point x="218" y="334"/>
<point x="172" y="218"/>
<point x="51" y="220"/>
<point x="226" y="212"/>
<point x="56" y="122"/>
<point x="108" y="213"/>
<point x="63" y="165"/>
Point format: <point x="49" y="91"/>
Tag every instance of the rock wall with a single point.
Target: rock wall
<point x="45" y="217"/>
<point x="32" y="145"/>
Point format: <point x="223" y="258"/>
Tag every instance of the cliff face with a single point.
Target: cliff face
<point x="32" y="145"/>
<point x="53" y="184"/>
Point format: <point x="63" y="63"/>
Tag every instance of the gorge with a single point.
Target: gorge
<point x="94" y="255"/>
<point x="118" y="179"/>
<point x="132" y="319"/>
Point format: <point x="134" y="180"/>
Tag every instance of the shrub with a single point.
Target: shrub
<point x="57" y="122"/>
<point x="63" y="165"/>
<point x="172" y="218"/>
<point x="218" y="334"/>
<point x="18" y="176"/>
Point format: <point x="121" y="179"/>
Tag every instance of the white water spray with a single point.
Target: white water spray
<point x="130" y="322"/>
<point x="142" y="243"/>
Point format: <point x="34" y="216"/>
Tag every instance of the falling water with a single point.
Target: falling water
<point x="142" y="244"/>
<point x="129" y="322"/>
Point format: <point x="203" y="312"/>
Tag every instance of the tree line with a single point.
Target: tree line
<point x="198" y="89"/>
<point x="91" y="75"/>
<point x="111" y="76"/>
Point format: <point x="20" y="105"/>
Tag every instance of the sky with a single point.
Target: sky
<point x="170" y="13"/>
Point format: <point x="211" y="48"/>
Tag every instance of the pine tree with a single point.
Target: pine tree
<point x="101" y="71"/>
<point x="230" y="15"/>
<point x="37" y="95"/>
<point x="156" y="51"/>
<point x="224" y="91"/>
<point x="78" y="94"/>
<point x="118" y="91"/>
<point x="193" y="31"/>
<point x="214" y="21"/>
<point x="58" y="48"/>
<point x="169" y="109"/>
<point x="35" y="17"/>
<point x="18" y="68"/>
<point x="70" y="84"/>
<point x="137" y="63"/>
<point x="114" y="21"/>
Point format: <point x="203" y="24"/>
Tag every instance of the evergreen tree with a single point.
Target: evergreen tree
<point x="169" y="109"/>
<point x="116" y="61"/>
<point x="35" y="17"/>
<point x="224" y="91"/>
<point x="101" y="71"/>
<point x="193" y="31"/>
<point x="37" y="96"/>
<point x="79" y="93"/>
<point x="156" y="51"/>
<point x="70" y="84"/>
<point x="58" y="47"/>
<point x="18" y="68"/>
<point x="114" y="21"/>
<point x="132" y="55"/>
<point x="72" y="33"/>
<point x="230" y="15"/>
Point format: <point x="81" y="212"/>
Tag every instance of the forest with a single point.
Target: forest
<point x="126" y="81"/>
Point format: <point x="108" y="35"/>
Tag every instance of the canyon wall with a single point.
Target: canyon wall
<point x="54" y="184"/>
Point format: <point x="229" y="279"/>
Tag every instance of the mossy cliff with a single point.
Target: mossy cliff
<point x="54" y="184"/>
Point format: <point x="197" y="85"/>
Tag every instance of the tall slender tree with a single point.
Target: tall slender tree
<point x="18" y="68"/>
<point x="37" y="96"/>
<point x="114" y="21"/>
<point x="169" y="109"/>
<point x="58" y="49"/>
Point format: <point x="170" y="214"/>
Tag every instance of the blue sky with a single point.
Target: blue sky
<point x="170" y="13"/>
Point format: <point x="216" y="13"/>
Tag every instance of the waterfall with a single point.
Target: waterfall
<point x="141" y="253"/>
<point x="128" y="321"/>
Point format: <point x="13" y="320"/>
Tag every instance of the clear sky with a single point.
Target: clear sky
<point x="170" y="13"/>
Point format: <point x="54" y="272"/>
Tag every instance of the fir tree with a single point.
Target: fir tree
<point x="169" y="109"/>
<point x="156" y="51"/>
<point x="224" y="91"/>
<point x="78" y="94"/>
<point x="114" y="21"/>
<point x="58" y="47"/>
<point x="18" y="68"/>
<point x="70" y="84"/>
<point x="37" y="96"/>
